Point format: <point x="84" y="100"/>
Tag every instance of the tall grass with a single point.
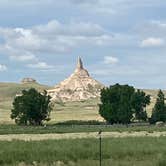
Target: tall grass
<point x="84" y="152"/>
<point x="14" y="129"/>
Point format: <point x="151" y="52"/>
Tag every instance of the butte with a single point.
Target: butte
<point x="79" y="86"/>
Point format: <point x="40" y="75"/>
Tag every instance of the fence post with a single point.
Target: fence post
<point x="100" y="153"/>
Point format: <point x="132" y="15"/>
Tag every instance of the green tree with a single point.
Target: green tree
<point x="120" y="102"/>
<point x="139" y="102"/>
<point x="31" y="108"/>
<point x="116" y="104"/>
<point x="159" y="110"/>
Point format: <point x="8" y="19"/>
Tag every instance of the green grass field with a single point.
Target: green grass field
<point x="65" y="118"/>
<point x="85" y="152"/>
<point x="14" y="129"/>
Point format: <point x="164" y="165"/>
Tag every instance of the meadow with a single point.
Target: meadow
<point x="76" y="117"/>
<point x="82" y="110"/>
<point x="81" y="152"/>
<point x="14" y="129"/>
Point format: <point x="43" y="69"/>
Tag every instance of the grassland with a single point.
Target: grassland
<point x="62" y="111"/>
<point x="81" y="152"/>
<point x="127" y="151"/>
<point x="14" y="129"/>
<point x="84" y="110"/>
<point x="7" y="93"/>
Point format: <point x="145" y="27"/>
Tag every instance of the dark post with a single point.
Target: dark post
<point x="100" y="145"/>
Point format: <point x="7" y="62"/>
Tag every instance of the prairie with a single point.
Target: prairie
<point x="60" y="129"/>
<point x="70" y="138"/>
<point x="80" y="152"/>
<point x="82" y="110"/>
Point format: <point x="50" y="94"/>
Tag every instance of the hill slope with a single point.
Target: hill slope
<point x="9" y="90"/>
<point x="7" y="93"/>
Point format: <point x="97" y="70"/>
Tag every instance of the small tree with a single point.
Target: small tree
<point x="139" y="102"/>
<point x="31" y="108"/>
<point x="159" y="110"/>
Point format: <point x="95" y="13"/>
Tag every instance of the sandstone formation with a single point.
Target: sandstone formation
<point x="28" y="80"/>
<point x="79" y="86"/>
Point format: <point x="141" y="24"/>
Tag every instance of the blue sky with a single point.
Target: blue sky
<point x="120" y="41"/>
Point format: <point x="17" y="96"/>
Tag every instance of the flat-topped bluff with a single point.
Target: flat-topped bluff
<point x="79" y="86"/>
<point x="28" y="80"/>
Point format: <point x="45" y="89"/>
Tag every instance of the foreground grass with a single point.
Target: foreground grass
<point x="85" y="152"/>
<point x="14" y="129"/>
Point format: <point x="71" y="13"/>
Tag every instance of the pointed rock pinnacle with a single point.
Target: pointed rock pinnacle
<point x="80" y="71"/>
<point x="78" y="86"/>
<point x="79" y="64"/>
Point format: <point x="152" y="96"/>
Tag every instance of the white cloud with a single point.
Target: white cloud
<point x="40" y="65"/>
<point x="152" y="28"/>
<point x="110" y="60"/>
<point x="159" y="23"/>
<point x="112" y="7"/>
<point x="24" y="58"/>
<point x="3" y="67"/>
<point x="28" y="44"/>
<point x="54" y="28"/>
<point x="51" y="38"/>
<point x="152" y="42"/>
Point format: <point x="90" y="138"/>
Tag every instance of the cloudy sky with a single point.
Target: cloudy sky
<point x="120" y="41"/>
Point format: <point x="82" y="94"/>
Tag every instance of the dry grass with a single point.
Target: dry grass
<point x="85" y="110"/>
<point x="70" y="111"/>
<point x="40" y="137"/>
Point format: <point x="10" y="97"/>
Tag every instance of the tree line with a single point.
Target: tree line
<point x="120" y="104"/>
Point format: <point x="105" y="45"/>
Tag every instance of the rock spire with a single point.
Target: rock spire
<point x="80" y="71"/>
<point x="80" y="63"/>
<point x="79" y="86"/>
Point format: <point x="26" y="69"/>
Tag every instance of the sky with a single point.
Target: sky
<point x="119" y="41"/>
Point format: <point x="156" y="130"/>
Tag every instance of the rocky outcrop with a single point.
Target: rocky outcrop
<point x="28" y="80"/>
<point x="79" y="86"/>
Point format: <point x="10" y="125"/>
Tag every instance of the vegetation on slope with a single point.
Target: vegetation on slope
<point x="9" y="90"/>
<point x="84" y="110"/>
<point x="7" y="93"/>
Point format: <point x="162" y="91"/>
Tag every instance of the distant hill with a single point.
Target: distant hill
<point x="9" y="90"/>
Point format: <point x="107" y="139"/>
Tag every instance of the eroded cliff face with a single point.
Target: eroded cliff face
<point x="79" y="86"/>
